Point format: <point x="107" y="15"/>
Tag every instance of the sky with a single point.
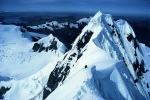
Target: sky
<point x="91" y="6"/>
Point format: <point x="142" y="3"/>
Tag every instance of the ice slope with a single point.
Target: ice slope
<point x="100" y="65"/>
<point x="22" y="69"/>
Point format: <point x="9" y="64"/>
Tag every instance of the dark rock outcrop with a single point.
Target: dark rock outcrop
<point x="40" y="46"/>
<point x="3" y="90"/>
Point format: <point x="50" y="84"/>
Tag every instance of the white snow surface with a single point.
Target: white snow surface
<point x="21" y="69"/>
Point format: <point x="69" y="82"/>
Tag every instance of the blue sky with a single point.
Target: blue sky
<point x="108" y="6"/>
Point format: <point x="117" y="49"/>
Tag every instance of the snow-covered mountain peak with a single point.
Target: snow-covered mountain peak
<point x="104" y="46"/>
<point x="97" y="15"/>
<point x="47" y="40"/>
<point x="97" y="18"/>
<point x="49" y="43"/>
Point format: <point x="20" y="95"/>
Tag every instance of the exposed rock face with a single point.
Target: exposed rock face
<point x="40" y="47"/>
<point x="3" y="90"/>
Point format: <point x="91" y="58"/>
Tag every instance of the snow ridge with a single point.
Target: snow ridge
<point x="88" y="57"/>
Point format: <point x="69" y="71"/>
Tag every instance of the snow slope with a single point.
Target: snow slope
<point x="102" y="64"/>
<point x="21" y="68"/>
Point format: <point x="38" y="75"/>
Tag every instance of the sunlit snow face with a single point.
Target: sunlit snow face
<point x="110" y="6"/>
